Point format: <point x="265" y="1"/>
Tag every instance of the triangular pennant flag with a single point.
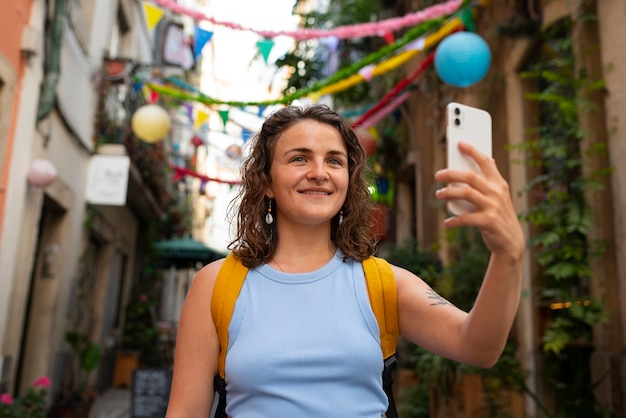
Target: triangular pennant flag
<point x="201" y="117"/>
<point x="467" y="17"/>
<point x="374" y="132"/>
<point x="178" y="175"/>
<point x="224" y="115"/>
<point x="367" y="71"/>
<point x="153" y="15"/>
<point x="202" y="188"/>
<point x="261" y="110"/>
<point x="188" y="110"/>
<point x="246" y="134"/>
<point x="200" y="39"/>
<point x="146" y="91"/>
<point x="150" y="95"/>
<point x="196" y="141"/>
<point x="154" y="96"/>
<point x="265" y="47"/>
<point x="389" y="38"/>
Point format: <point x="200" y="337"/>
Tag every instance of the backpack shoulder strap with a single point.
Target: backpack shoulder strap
<point x="381" y="287"/>
<point x="227" y="286"/>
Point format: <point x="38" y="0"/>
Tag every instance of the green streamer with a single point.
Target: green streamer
<point x="409" y="36"/>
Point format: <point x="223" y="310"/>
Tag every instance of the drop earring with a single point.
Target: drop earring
<point x="340" y="217"/>
<point x="269" y="218"/>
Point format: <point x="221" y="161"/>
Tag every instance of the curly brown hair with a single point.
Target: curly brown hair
<point x="256" y="241"/>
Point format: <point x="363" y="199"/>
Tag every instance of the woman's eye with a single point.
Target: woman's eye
<point x="298" y="159"/>
<point x="336" y="161"/>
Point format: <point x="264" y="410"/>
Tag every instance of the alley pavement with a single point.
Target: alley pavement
<point x="113" y="403"/>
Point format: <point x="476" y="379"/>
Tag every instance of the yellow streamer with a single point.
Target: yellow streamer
<point x="394" y="62"/>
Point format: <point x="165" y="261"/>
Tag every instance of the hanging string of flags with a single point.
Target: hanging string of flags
<point x="180" y="90"/>
<point x="384" y="28"/>
<point x="341" y="32"/>
<point x="363" y="70"/>
<point x="180" y="172"/>
<point x="430" y="28"/>
<point x="388" y="103"/>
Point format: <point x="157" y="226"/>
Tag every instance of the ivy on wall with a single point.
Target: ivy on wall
<point x="559" y="212"/>
<point x="561" y="219"/>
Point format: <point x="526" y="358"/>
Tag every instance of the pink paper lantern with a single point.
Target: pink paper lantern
<point x="41" y="173"/>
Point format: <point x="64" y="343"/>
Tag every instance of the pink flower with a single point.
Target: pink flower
<point x="6" y="399"/>
<point x="143" y="297"/>
<point x="42" y="382"/>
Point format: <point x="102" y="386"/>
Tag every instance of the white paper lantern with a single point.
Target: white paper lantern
<point x="151" y="123"/>
<point x="41" y="173"/>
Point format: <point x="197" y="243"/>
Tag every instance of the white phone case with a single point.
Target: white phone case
<point x="472" y="125"/>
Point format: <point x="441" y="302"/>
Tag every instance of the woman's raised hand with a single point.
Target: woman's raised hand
<point x="494" y="215"/>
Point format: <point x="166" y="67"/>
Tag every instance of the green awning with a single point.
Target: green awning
<point x="185" y="252"/>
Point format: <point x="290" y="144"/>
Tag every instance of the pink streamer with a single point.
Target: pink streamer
<point x="386" y="110"/>
<point x="396" y="90"/>
<point x="343" y="32"/>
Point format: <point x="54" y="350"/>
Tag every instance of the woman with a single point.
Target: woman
<point x="303" y="341"/>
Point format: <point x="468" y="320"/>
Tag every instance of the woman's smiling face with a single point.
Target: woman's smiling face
<point x="309" y="173"/>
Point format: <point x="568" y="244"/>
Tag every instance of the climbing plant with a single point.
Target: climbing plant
<point x="560" y="218"/>
<point x="458" y="281"/>
<point x="559" y="212"/>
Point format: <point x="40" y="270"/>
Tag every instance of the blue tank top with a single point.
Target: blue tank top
<point x="305" y="345"/>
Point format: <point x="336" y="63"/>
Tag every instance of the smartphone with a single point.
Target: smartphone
<point x="472" y="125"/>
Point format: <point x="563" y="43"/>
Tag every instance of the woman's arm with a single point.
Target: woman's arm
<point x="477" y="337"/>
<point x="196" y="351"/>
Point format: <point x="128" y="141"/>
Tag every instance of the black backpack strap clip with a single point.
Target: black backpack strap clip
<point x="391" y="365"/>
<point x="219" y="384"/>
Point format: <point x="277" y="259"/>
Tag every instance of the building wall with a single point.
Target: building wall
<point x="45" y="230"/>
<point x="612" y="15"/>
<point x="15" y="71"/>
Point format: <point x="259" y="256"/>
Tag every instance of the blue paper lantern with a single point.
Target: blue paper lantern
<point x="462" y="59"/>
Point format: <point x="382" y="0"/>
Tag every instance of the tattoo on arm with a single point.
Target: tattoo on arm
<point x="435" y="298"/>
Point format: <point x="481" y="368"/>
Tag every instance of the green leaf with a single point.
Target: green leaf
<point x="90" y="358"/>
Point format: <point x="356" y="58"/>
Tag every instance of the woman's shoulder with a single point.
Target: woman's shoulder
<point x="204" y="279"/>
<point x="212" y="268"/>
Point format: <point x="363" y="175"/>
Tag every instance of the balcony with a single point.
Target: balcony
<point x="120" y="94"/>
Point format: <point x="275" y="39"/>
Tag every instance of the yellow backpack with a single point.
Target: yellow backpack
<point x="381" y="288"/>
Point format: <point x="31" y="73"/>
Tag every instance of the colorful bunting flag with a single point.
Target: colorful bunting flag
<point x="201" y="37"/>
<point x="389" y="37"/>
<point x="201" y="118"/>
<point x="367" y="72"/>
<point x="265" y="47"/>
<point x="224" y="115"/>
<point x="467" y="17"/>
<point x="153" y="14"/>
<point x="246" y="134"/>
<point x="188" y="110"/>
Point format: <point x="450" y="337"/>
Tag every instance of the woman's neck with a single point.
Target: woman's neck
<point x="302" y="251"/>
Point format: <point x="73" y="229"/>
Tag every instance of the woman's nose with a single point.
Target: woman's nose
<point x="318" y="172"/>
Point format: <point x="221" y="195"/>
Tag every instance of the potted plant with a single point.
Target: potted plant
<point x="140" y="338"/>
<point x="31" y="405"/>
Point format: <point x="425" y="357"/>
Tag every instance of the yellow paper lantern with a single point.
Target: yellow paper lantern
<point x="151" y="123"/>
